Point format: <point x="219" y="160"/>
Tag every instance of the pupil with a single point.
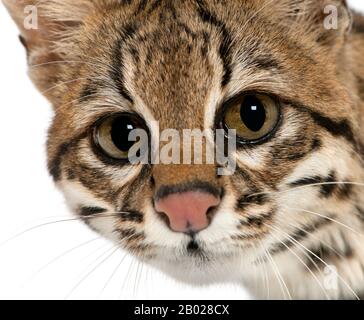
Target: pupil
<point x="120" y="131"/>
<point x="253" y="113"/>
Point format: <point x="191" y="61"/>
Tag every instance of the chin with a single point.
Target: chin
<point x="200" y="269"/>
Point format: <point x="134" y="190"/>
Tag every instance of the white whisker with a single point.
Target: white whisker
<point x="92" y="270"/>
<point x="113" y="274"/>
<point x="59" y="257"/>
<point x="319" y="258"/>
<point x="288" y="237"/>
<point x="327" y="218"/>
<point x="279" y="277"/>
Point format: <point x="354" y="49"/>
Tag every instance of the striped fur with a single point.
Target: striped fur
<point x="293" y="210"/>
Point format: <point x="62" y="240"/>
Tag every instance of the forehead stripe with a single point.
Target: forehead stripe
<point x="226" y="41"/>
<point x="116" y="72"/>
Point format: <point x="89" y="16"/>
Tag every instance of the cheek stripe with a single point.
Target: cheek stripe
<point x="341" y="128"/>
<point x="132" y="216"/>
<point x="330" y="185"/>
<point x="300" y="235"/>
<point x="91" y="211"/>
<point x="259" y="199"/>
<point x="328" y="254"/>
<point x="54" y="166"/>
<point x="336" y="128"/>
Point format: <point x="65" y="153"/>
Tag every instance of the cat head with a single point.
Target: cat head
<point x="275" y="71"/>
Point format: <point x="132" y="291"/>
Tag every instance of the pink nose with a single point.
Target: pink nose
<point x="187" y="211"/>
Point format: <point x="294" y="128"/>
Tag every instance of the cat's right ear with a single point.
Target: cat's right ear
<point x="46" y="28"/>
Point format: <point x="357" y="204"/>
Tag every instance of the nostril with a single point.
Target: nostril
<point x="211" y="212"/>
<point x="163" y="217"/>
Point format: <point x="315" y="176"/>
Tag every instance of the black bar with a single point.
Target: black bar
<point x="249" y="310"/>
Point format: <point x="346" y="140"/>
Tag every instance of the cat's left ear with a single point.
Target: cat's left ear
<point x="337" y="20"/>
<point x="328" y="21"/>
<point x="46" y="31"/>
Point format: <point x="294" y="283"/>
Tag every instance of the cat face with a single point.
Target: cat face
<point x="179" y="65"/>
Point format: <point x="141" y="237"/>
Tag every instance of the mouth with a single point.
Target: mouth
<point x="195" y="251"/>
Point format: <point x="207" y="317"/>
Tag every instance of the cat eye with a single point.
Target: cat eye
<point x="111" y="135"/>
<point x="254" y="117"/>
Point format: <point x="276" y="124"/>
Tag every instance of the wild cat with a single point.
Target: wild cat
<point x="289" y="222"/>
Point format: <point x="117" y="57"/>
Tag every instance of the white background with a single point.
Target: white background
<point x="39" y="264"/>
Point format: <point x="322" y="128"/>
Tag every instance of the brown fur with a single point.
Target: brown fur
<point x="163" y="59"/>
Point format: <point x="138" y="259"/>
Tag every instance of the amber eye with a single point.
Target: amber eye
<point x="111" y="134"/>
<point x="253" y="117"/>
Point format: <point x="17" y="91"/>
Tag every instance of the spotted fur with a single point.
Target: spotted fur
<point x="293" y="211"/>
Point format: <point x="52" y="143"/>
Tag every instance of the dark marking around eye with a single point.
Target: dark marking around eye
<point x="226" y="42"/>
<point x="339" y="128"/>
<point x="91" y="211"/>
<point x="336" y="128"/>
